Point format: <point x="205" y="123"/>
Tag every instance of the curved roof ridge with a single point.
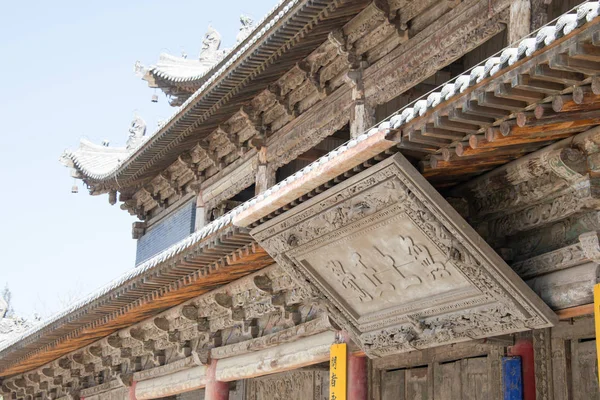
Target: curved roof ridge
<point x="545" y="36"/>
<point x="139" y="270"/>
<point x="231" y="58"/>
<point x="179" y="79"/>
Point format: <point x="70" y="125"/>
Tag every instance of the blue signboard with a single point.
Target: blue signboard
<point x="512" y="378"/>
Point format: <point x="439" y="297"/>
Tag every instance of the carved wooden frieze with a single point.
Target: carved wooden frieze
<point x="293" y="385"/>
<point x="397" y="265"/>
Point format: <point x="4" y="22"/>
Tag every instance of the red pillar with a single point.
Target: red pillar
<point x="132" y="391"/>
<point x="357" y="378"/>
<point x="524" y="348"/>
<point x="215" y="390"/>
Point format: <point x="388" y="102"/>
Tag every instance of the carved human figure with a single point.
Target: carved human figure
<point x="139" y="69"/>
<point x="245" y="29"/>
<point x="137" y="130"/>
<point x="3" y="307"/>
<point x="210" y="45"/>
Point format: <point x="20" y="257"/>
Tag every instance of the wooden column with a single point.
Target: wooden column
<point x="519" y="24"/>
<point x="363" y="116"/>
<point x="561" y="368"/>
<point x="215" y="390"/>
<point x="357" y="378"/>
<point x="539" y="13"/>
<point x="265" y="175"/>
<point x="200" y="212"/>
<point x="132" y="391"/>
<point x="542" y="353"/>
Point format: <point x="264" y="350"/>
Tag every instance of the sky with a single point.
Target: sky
<point x="67" y="73"/>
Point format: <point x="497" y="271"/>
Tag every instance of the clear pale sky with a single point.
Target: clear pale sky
<point x="67" y="72"/>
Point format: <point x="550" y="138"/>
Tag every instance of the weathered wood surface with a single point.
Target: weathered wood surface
<point x="302" y="352"/>
<point x="567" y="288"/>
<point x="329" y="113"/>
<point x="227" y="141"/>
<point x="318" y="241"/>
<point x="567" y="314"/>
<point x="352" y="157"/>
<point x="519" y="23"/>
<point x="458" y="372"/>
<point x="303" y="384"/>
<point x="147" y="303"/>
<point x="172" y="384"/>
<point x="163" y="351"/>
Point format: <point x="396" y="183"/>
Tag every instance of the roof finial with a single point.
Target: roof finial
<point x="210" y="45"/>
<point x="139" y="69"/>
<point x="247" y="27"/>
<point x="137" y="131"/>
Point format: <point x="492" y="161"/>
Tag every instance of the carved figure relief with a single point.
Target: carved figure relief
<point x="137" y="131"/>
<point x="397" y="266"/>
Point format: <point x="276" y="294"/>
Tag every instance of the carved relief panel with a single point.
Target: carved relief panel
<point x="397" y="266"/>
<point x="303" y="384"/>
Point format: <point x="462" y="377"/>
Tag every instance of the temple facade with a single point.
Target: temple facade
<point x="362" y="199"/>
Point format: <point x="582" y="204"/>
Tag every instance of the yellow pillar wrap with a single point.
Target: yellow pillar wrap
<point x="337" y="372"/>
<point x="597" y="323"/>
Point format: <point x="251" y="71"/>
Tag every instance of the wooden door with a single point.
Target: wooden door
<point x="584" y="367"/>
<point x="405" y="384"/>
<point x="465" y="379"/>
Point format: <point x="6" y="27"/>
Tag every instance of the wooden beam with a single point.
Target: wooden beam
<point x="519" y="23"/>
<point x="573" y="312"/>
<point x="551" y="123"/>
<point x="544" y="73"/>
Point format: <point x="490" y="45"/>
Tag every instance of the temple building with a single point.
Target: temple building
<point x="362" y="199"/>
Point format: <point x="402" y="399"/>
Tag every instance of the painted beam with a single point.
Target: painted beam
<point x="288" y="356"/>
<point x="168" y="385"/>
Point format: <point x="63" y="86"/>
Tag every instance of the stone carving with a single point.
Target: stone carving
<point x="371" y="283"/>
<point x="398" y="267"/>
<point x="137" y="131"/>
<point x="211" y="43"/>
<point x="246" y="28"/>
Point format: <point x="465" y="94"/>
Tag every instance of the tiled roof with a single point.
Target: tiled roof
<point x="109" y="168"/>
<point x="94" y="159"/>
<point x="544" y="37"/>
<point x="179" y="69"/>
<point x="169" y="253"/>
<point x="11" y="329"/>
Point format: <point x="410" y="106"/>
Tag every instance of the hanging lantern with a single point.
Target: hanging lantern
<point x="155" y="98"/>
<point x="74" y="189"/>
